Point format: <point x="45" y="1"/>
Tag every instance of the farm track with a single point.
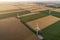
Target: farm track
<point x="28" y="14"/>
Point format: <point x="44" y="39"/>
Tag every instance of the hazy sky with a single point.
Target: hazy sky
<point x="25" y="0"/>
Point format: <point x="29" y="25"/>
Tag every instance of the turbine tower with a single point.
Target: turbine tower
<point x="37" y="32"/>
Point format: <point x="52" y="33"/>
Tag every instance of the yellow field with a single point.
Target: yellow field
<point x="6" y="8"/>
<point x="43" y="22"/>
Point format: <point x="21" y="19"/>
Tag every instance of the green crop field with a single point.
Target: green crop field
<point x="33" y="17"/>
<point x="13" y="14"/>
<point x="53" y="6"/>
<point x="52" y="32"/>
<point x="57" y="14"/>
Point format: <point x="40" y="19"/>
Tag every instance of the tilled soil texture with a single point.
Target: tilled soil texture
<point x="12" y="29"/>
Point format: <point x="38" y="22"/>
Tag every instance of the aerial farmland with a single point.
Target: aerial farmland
<point x="20" y="22"/>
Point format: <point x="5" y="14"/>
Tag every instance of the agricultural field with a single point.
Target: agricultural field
<point x="29" y="16"/>
<point x="52" y="32"/>
<point x="48" y="24"/>
<point x="33" y="17"/>
<point x="54" y="6"/>
<point x="57" y="10"/>
<point x="57" y="14"/>
<point x="12" y="29"/>
<point x="54" y="13"/>
<point x="14" y="14"/>
<point x="33" y="8"/>
<point x="43" y="22"/>
<point x="51" y="6"/>
<point x="5" y="7"/>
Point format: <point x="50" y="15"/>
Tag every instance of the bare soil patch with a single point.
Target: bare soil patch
<point x="12" y="29"/>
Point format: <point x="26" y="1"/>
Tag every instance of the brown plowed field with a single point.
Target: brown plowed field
<point x="12" y="29"/>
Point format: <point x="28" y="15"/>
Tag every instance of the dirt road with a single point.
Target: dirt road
<point x="28" y="14"/>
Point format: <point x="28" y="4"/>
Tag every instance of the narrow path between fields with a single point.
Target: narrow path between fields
<point x="28" y="14"/>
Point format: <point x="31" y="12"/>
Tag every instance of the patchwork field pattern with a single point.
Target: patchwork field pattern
<point x="43" y="22"/>
<point x="33" y="17"/>
<point x="52" y="32"/>
<point x="49" y="23"/>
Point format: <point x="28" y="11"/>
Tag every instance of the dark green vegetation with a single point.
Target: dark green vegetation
<point x="54" y="6"/>
<point x="33" y="17"/>
<point x="39" y="15"/>
<point x="13" y="14"/>
<point x="51" y="6"/>
<point x="52" y="32"/>
<point x="57" y="14"/>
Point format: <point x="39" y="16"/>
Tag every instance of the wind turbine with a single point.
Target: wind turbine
<point x="49" y="11"/>
<point x="18" y="15"/>
<point x="37" y="32"/>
